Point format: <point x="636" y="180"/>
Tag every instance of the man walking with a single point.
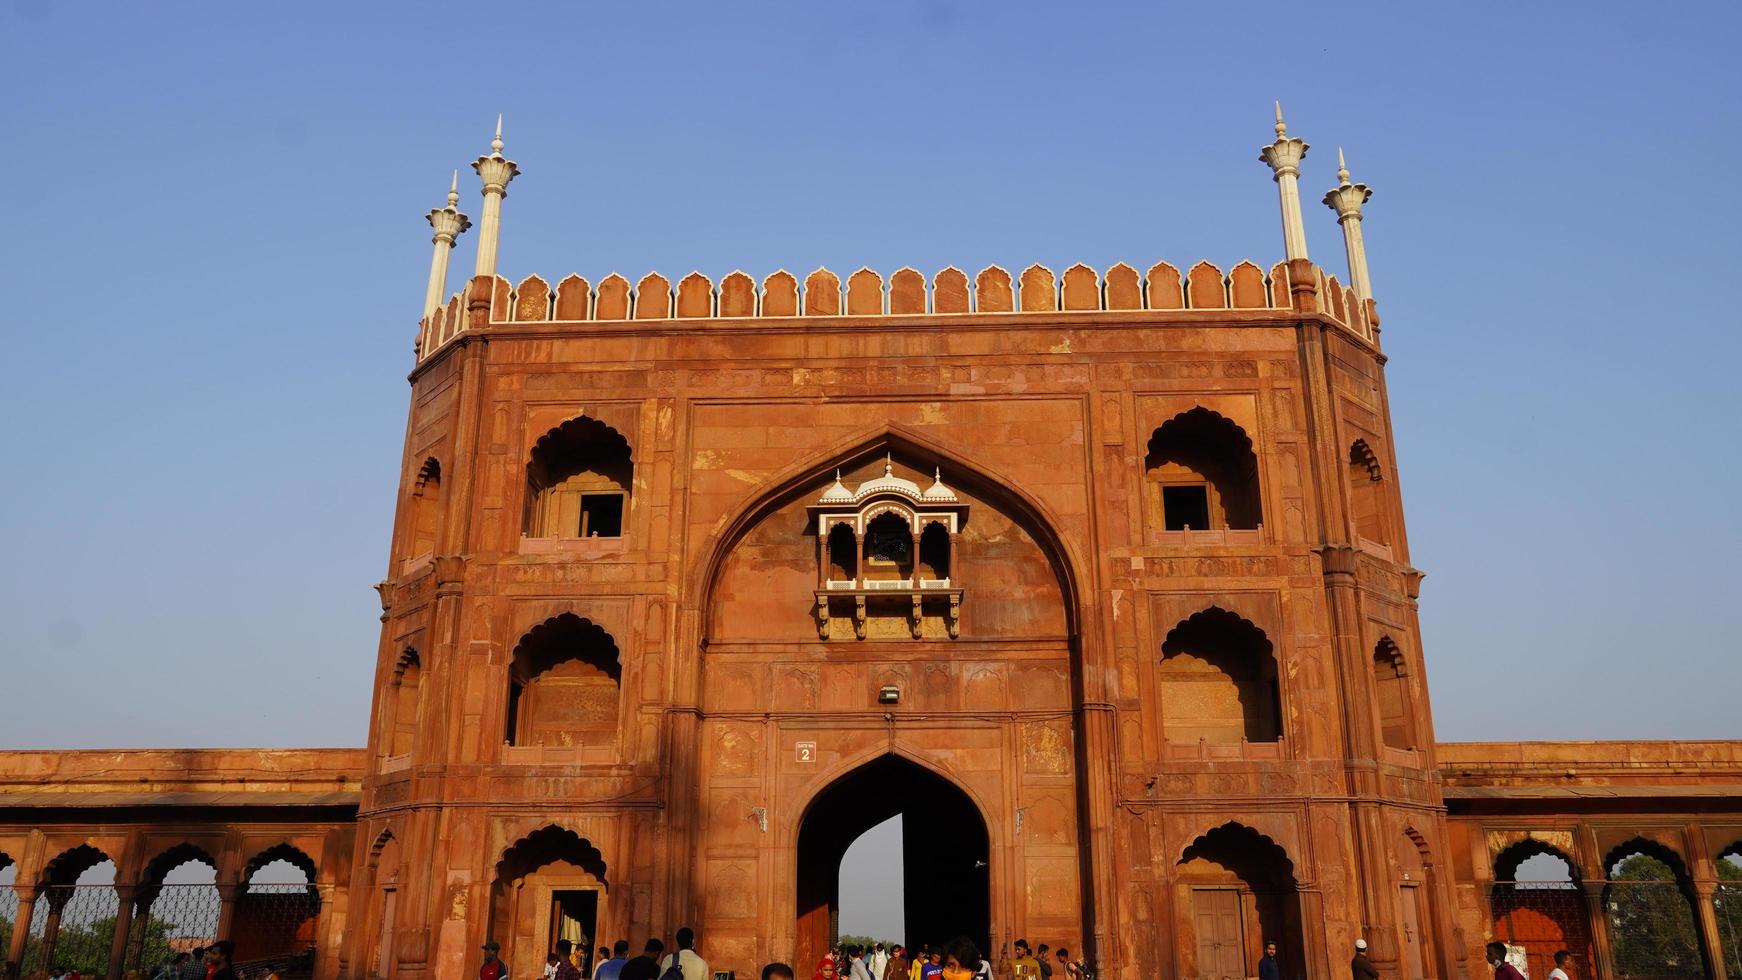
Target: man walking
<point x="876" y="962"/>
<point x="613" y="965"/>
<point x="565" y="961"/>
<point x="1024" y="966"/>
<point x="686" y="959"/>
<point x="1502" y="969"/>
<point x="1361" y="968"/>
<point x="645" y="966"/>
<point x="493" y="968"/>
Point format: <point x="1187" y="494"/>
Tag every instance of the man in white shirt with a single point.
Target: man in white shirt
<point x="686" y="957"/>
<point x="856" y="969"/>
<point x="1562" y="960"/>
<point x="878" y="960"/>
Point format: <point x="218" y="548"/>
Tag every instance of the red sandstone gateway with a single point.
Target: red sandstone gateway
<point x="1099" y="578"/>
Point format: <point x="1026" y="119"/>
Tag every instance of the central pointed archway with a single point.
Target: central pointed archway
<point x="945" y="856"/>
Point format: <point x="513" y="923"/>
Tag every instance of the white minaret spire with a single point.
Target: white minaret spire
<point x="496" y="173"/>
<point x="1283" y="157"/>
<point x="449" y="224"/>
<point x="1346" y="199"/>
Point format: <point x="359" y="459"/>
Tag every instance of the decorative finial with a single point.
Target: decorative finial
<point x="1281" y="127"/>
<point x="1342" y="168"/>
<point x="937" y="473"/>
<point x="888" y="465"/>
<point x="496" y="143"/>
<point x="454" y="191"/>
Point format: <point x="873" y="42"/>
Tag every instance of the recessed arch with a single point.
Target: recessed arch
<point x="564" y="684"/>
<point x="579" y="478"/>
<point x="1240" y="889"/>
<point x="549" y="879"/>
<point x="1395" y="700"/>
<point x="66" y="867"/>
<point x="426" y="506"/>
<point x="403" y="703"/>
<point x="966" y="474"/>
<point x="1218" y="681"/>
<point x="171" y="858"/>
<point x="1369" y="515"/>
<point x="1205" y="472"/>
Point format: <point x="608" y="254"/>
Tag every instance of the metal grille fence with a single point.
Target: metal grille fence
<point x="1543" y="917"/>
<point x="1727" y="902"/>
<point x="276" y="921"/>
<point x="1651" y="931"/>
<point x="72" y="926"/>
<point x="172" y="919"/>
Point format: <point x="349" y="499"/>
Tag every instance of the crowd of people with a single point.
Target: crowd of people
<point x="958" y="959"/>
<point x="214" y="962"/>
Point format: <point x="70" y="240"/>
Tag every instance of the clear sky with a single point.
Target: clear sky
<point x="214" y="252"/>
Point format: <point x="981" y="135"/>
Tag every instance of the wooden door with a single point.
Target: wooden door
<point x="1414" y="957"/>
<point x="1221" y="940"/>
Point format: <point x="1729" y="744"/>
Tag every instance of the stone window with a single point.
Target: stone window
<point x="426" y="507"/>
<point x="1218" y="682"/>
<point x="1367" y="495"/>
<point x="403" y="705"/>
<point x="1391" y="683"/>
<point x="564" y="685"/>
<point x="1205" y="474"/>
<point x="578" y="482"/>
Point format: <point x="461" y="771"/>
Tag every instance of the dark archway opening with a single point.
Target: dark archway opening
<point x="945" y="856"/>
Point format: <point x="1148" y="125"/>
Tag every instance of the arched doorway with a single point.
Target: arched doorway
<point x="945" y="857"/>
<point x="550" y="885"/>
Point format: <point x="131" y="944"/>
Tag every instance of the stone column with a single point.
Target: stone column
<point x="124" y="898"/>
<point x="1346" y="199"/>
<point x="20" y="931"/>
<point x="1284" y="157"/>
<point x="227" y="909"/>
<point x="449" y="224"/>
<point x="1710" y="941"/>
<point x="1605" y="965"/>
<point x="57" y="903"/>
<point x="496" y="172"/>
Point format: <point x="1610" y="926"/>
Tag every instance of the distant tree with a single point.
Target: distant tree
<point x="863" y="942"/>
<point x="1651" y="923"/>
<point x="1727" y="902"/>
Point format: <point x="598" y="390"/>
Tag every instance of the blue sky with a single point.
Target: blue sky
<point x="214" y="253"/>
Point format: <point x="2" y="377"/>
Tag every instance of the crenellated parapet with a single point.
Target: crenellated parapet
<point x="906" y="293"/>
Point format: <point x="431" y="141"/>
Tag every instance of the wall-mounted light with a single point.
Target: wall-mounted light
<point x="889" y="694"/>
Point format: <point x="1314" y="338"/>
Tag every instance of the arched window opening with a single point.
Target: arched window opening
<point x="384" y="872"/>
<point x="1205" y="472"/>
<point x="405" y="691"/>
<point x="277" y="911"/>
<point x="934" y="553"/>
<point x="1218" y="682"/>
<point x="564" y="685"/>
<point x="1367" y="494"/>
<point x="1241" y="892"/>
<point x="426" y="507"/>
<point x="1538" y="905"/>
<point x="578" y="482"/>
<point x="1649" y="905"/>
<point x="1727" y="904"/>
<point x="176" y="906"/>
<point x="72" y="924"/>
<point x="1391" y="682"/>
<point x="843" y="555"/>
<point x="888" y="549"/>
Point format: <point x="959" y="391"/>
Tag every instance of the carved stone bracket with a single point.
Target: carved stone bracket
<point x="859" y="616"/>
<point x="1338" y="560"/>
<point x="916" y="622"/>
<point x="955" y="615"/>
<point x="822" y="616"/>
<point x="450" y="574"/>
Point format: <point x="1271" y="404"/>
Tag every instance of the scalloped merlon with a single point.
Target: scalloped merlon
<point x="822" y="293"/>
<point x="1080" y="288"/>
<point x="1039" y="289"/>
<point x="1205" y="287"/>
<point x="992" y="292"/>
<point x="780" y="294"/>
<point x="573" y="297"/>
<point x="949" y="291"/>
<point x="1246" y="287"/>
<point x="737" y="295"/>
<point x="613" y="299"/>
<point x="1124" y="289"/>
<point x="1163" y="288"/>
<point x="695" y="296"/>
<point x="653" y="297"/>
<point x="1280" y="294"/>
<point x="864" y="293"/>
<point x="906" y="291"/>
<point x="532" y="300"/>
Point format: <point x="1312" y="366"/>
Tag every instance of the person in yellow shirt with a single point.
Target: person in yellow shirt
<point x="1024" y="966"/>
